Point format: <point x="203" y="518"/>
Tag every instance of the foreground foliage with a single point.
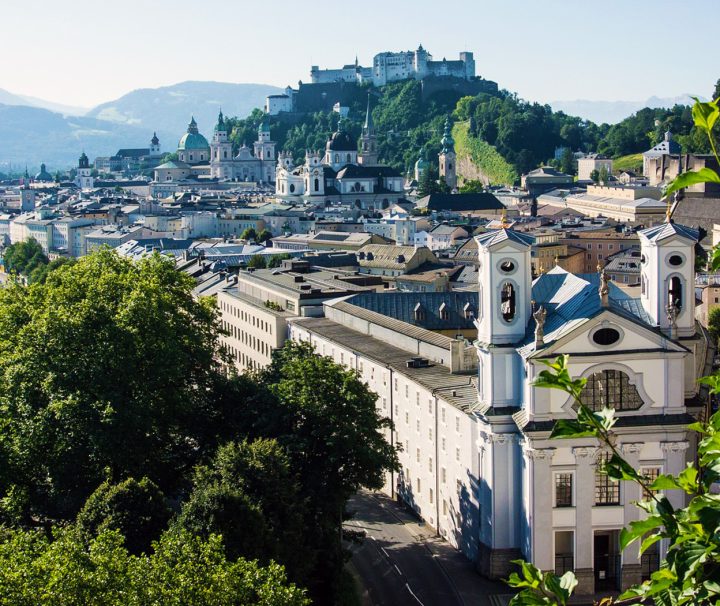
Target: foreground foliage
<point x="182" y="570"/>
<point x="115" y="406"/>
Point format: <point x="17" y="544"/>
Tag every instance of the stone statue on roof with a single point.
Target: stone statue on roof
<point x="540" y="316"/>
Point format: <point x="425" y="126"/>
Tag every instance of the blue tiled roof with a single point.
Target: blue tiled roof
<point x="668" y="229"/>
<point x="401" y="306"/>
<point x="495" y="237"/>
<point x="572" y="299"/>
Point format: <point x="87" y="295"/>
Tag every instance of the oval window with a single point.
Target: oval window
<point x="606" y="336"/>
<point x="675" y="260"/>
<point x="507" y="266"/>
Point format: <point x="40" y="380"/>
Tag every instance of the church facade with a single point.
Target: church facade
<point x="455" y="373"/>
<point x="341" y="174"/>
<point x="256" y="165"/>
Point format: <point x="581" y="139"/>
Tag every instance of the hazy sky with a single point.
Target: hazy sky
<point x="84" y="52"/>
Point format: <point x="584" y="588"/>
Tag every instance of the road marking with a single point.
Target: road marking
<point x="413" y="595"/>
<point x="501" y="599"/>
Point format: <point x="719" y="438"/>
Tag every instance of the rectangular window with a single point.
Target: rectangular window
<point x="563" y="490"/>
<point x="417" y="425"/>
<point x="457" y="424"/>
<point x="444" y="507"/>
<point x="407" y="418"/>
<point x="417" y="455"/>
<point x="432" y="496"/>
<point x="442" y="414"/>
<point x="651" y="474"/>
<point x="443" y="475"/>
<point x="417" y="484"/>
<point x="417" y="398"/>
<point x="430" y="434"/>
<point x="443" y="444"/>
<point x="430" y="467"/>
<point x="407" y="392"/>
<point x="457" y="454"/>
<point x="430" y="403"/>
<point x="607" y="491"/>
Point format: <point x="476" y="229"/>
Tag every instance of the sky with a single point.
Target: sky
<point x="85" y="52"/>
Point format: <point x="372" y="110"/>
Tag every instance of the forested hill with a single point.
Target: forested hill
<point x="523" y="134"/>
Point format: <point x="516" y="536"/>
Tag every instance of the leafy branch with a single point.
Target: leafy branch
<point x="689" y="574"/>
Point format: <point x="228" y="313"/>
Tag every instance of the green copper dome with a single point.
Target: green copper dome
<point x="264" y="126"/>
<point x="192" y="139"/>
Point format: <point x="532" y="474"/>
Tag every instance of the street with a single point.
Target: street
<point x="396" y="567"/>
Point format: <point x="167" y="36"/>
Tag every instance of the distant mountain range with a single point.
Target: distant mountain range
<point x="8" y="98"/>
<point x="32" y="134"/>
<point x="612" y="112"/>
<point x="169" y="108"/>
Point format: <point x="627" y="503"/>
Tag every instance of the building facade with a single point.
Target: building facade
<point x="257" y="165"/>
<point x="455" y="372"/>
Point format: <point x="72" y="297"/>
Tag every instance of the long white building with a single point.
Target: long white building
<point x="392" y="67"/>
<point x="454" y="372"/>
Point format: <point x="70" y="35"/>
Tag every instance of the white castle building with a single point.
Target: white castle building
<point x="341" y="173"/>
<point x="391" y="67"/>
<point x="454" y="372"/>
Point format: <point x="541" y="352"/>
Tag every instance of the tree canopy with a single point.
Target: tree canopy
<point x="182" y="569"/>
<point x="115" y="402"/>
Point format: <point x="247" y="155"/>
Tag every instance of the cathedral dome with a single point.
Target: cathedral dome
<point x="43" y="175"/>
<point x="192" y="139"/>
<point x="341" y="141"/>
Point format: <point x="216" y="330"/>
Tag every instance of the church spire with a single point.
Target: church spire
<point x="447" y="141"/>
<point x="368" y="127"/>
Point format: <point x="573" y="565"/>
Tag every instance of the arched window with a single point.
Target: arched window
<point x="675" y="292"/>
<point x="611" y="389"/>
<point x="348" y="158"/>
<point x="317" y="184"/>
<point x="337" y="158"/>
<point x="507" y="302"/>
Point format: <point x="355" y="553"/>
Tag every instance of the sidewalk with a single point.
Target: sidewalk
<point x="472" y="589"/>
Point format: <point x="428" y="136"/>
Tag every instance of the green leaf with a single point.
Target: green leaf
<point x="638" y="529"/>
<point x="619" y="469"/>
<point x="705" y="114"/>
<point x="649" y="542"/>
<point x="566" y="428"/>
<point x="665" y="482"/>
<point x="693" y="177"/>
<point x="688" y="479"/>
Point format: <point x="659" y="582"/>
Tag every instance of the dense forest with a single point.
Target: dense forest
<point x="525" y="134"/>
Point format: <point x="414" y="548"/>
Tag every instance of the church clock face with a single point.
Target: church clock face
<point x="316" y="173"/>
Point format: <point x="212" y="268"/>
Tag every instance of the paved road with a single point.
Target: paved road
<point x="393" y="566"/>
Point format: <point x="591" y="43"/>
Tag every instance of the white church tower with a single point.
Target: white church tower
<point x="667" y="277"/>
<point x="221" y="166"/>
<point x="504" y="308"/>
<point x="155" y="150"/>
<point x="84" y="178"/>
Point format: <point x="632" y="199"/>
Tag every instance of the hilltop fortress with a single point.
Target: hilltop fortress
<point x="391" y="67"/>
<point x="340" y="86"/>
